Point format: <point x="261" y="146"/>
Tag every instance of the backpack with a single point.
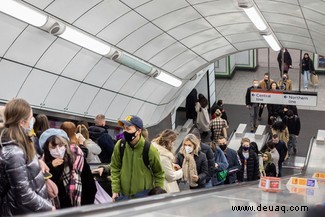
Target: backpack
<point x="145" y="153"/>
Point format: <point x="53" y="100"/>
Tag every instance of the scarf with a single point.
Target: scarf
<point x="189" y="169"/>
<point x="72" y="178"/>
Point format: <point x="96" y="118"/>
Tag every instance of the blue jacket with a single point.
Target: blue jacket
<point x="234" y="165"/>
<point x="220" y="159"/>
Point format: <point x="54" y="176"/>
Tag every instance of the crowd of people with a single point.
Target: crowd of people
<point x="44" y="168"/>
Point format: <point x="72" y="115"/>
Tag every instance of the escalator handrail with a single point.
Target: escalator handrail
<point x="308" y="154"/>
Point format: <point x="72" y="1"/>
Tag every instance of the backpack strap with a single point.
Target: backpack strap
<point x="122" y="148"/>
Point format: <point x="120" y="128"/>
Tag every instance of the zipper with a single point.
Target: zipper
<point x="131" y="171"/>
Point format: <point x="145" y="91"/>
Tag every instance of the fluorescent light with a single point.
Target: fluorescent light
<point x="255" y="18"/>
<point x="22" y="12"/>
<point x="272" y="42"/>
<point x="164" y="77"/>
<point x="85" y="41"/>
<point x="133" y="63"/>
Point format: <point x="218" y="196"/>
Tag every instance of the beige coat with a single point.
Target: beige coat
<point x="166" y="158"/>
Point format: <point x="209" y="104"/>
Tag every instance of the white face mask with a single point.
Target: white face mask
<point x="58" y="152"/>
<point x="188" y="149"/>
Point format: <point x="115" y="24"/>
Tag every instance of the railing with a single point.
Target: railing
<point x="308" y="155"/>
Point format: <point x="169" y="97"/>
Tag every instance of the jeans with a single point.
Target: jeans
<point x="292" y="143"/>
<point x="306" y="78"/>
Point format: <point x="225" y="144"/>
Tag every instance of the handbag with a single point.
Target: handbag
<point x="101" y="195"/>
<point x="219" y="177"/>
<point x="183" y="185"/>
<point x="314" y="79"/>
<point x="53" y="192"/>
<point x="285" y="67"/>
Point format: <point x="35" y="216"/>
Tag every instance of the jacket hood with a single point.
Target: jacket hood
<point x="96" y="131"/>
<point x="163" y="151"/>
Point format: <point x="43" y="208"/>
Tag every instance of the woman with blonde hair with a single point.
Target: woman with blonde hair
<point x="164" y="143"/>
<point x="194" y="163"/>
<point x="22" y="188"/>
<point x="93" y="149"/>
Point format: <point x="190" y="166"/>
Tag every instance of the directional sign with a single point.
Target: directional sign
<point x="284" y="97"/>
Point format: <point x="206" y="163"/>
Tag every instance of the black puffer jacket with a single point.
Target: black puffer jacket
<point x="210" y="157"/>
<point x="22" y="188"/>
<point x="104" y="140"/>
<point x="201" y="166"/>
<point x="252" y="166"/>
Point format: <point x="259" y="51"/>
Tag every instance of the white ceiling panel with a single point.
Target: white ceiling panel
<point x="61" y="94"/>
<point x="249" y="36"/>
<point x="101" y="72"/>
<point x="81" y="64"/>
<point x="237" y="29"/>
<point x="200" y="37"/>
<point x="133" y="84"/>
<point x="10" y="29"/>
<point x="294" y="38"/>
<point x="29" y="46"/>
<point x="228" y="19"/>
<point x="101" y="15"/>
<point x="13" y="76"/>
<point x="101" y="102"/>
<point x="189" y="29"/>
<point x="179" y="60"/>
<point x="70" y="10"/>
<point x="118" y="78"/>
<point x="122" y="27"/>
<point x="177" y="18"/>
<point x="208" y="45"/>
<point x="285" y="19"/>
<point x="251" y="44"/>
<point x="58" y="56"/>
<point x="312" y="26"/>
<point x="280" y="8"/>
<point x="154" y="46"/>
<point x="146" y="112"/>
<point x="134" y="4"/>
<point x="132" y="108"/>
<point x="222" y="51"/>
<point x="139" y="37"/>
<point x="116" y="108"/>
<point x="147" y="88"/>
<point x="189" y="66"/>
<point x="156" y="115"/>
<point x="159" y="92"/>
<point x="313" y="5"/>
<point x="157" y="8"/>
<point x="167" y="54"/>
<point x="209" y="8"/>
<point x="39" y="4"/>
<point x="290" y="44"/>
<point x="280" y="28"/>
<point x="36" y="87"/>
<point x="82" y="99"/>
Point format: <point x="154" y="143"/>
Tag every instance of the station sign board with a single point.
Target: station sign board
<point x="284" y="97"/>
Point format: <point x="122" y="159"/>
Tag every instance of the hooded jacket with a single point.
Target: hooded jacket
<point x="100" y="136"/>
<point x="22" y="187"/>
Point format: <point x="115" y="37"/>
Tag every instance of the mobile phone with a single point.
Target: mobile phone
<point x="47" y="175"/>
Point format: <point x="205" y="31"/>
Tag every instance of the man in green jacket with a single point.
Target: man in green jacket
<point x="130" y="175"/>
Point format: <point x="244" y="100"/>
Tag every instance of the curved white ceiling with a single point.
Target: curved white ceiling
<point x="179" y="37"/>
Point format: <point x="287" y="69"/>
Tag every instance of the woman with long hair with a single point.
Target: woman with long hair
<point x="194" y="163"/>
<point x="41" y="124"/>
<point x="22" y="188"/>
<point x="71" y="173"/>
<point x="164" y="143"/>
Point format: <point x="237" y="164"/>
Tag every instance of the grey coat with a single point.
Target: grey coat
<point x="23" y="187"/>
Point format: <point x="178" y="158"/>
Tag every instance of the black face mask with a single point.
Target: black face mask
<point x="271" y="146"/>
<point x="266" y="80"/>
<point x="245" y="148"/>
<point x="129" y="137"/>
<point x="223" y="146"/>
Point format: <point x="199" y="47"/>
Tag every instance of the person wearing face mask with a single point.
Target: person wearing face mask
<point x="234" y="164"/>
<point x="307" y="68"/>
<point x="285" y="83"/>
<point x="293" y="123"/>
<point x="250" y="165"/>
<point x="130" y="176"/>
<point x="287" y="61"/>
<point x="22" y="188"/>
<point x="194" y="162"/>
<point x="164" y="144"/>
<point x="253" y="107"/>
<point x="69" y="169"/>
<point x="264" y="84"/>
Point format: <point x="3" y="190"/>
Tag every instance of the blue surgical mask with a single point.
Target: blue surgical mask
<point x="245" y="148"/>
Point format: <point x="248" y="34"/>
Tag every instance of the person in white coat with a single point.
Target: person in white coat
<point x="164" y="143"/>
<point x="203" y="117"/>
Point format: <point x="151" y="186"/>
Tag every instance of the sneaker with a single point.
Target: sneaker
<point x="252" y="130"/>
<point x="294" y="151"/>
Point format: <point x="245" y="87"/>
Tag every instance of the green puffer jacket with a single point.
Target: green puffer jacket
<point x="133" y="176"/>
